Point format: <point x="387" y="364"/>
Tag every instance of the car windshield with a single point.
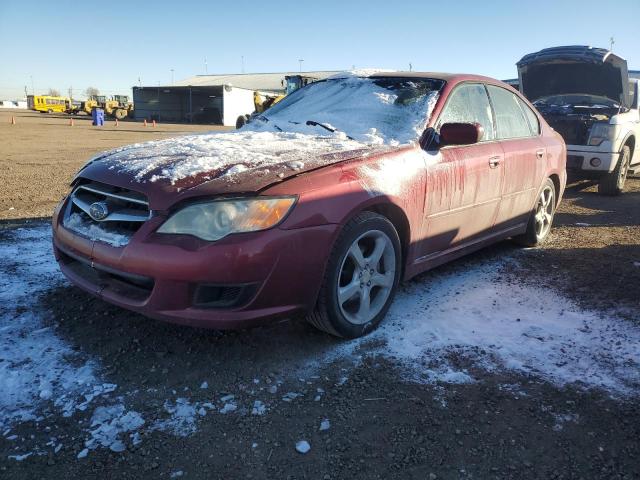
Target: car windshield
<point x="380" y="110"/>
<point x="577" y="100"/>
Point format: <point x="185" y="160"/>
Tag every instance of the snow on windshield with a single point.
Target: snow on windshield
<point x="381" y="110"/>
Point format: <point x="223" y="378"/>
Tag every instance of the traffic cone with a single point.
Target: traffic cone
<point x="116" y="122"/>
<point x="13" y="120"/>
<point x="154" y="123"/>
<point x="145" y="122"/>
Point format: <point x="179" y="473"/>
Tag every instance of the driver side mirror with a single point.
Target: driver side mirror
<point x="460" y="134"/>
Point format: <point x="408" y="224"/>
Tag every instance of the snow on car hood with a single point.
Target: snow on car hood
<point x="222" y="154"/>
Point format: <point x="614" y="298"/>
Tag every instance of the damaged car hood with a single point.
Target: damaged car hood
<point x="574" y="70"/>
<point x="167" y="171"/>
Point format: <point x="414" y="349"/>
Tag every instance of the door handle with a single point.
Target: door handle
<point x="494" y="162"/>
<point x="540" y="154"/>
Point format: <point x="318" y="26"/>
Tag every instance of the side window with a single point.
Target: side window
<point x="534" y="123"/>
<point x="468" y="103"/>
<point x="510" y="119"/>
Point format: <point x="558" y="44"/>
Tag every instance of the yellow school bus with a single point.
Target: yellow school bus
<point x="46" y="103"/>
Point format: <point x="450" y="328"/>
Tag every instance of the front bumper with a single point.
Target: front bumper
<point x="160" y="275"/>
<point x="579" y="160"/>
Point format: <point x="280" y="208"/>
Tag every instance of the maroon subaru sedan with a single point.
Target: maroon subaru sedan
<point x="319" y="207"/>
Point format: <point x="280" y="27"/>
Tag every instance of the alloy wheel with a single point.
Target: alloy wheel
<point x="366" y="277"/>
<point x="544" y="212"/>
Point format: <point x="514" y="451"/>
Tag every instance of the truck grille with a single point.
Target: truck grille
<point x="106" y="213"/>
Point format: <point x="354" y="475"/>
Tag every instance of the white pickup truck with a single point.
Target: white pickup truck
<point x="586" y="95"/>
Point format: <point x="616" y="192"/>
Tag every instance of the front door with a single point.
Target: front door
<point x="464" y="182"/>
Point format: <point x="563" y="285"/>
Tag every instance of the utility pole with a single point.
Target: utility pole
<point x="410" y="67"/>
<point x="25" y="91"/>
<point x="172" y="76"/>
<point x="611" y="42"/>
<point x="300" y="62"/>
<point x="71" y="93"/>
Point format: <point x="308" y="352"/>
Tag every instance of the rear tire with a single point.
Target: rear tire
<point x="613" y="183"/>
<point x="241" y="120"/>
<point x="361" y="278"/>
<point x="541" y="219"/>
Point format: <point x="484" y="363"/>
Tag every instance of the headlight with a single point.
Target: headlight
<point x="215" y="220"/>
<point x="601" y="131"/>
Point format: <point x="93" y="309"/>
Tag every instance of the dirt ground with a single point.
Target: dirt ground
<point x="507" y="423"/>
<point x="44" y="150"/>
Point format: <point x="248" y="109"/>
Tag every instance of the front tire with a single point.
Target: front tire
<point x="541" y="219"/>
<point x="613" y="183"/>
<point x="361" y="278"/>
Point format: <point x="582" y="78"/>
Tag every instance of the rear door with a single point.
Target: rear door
<point x="518" y="130"/>
<point x="464" y="182"/>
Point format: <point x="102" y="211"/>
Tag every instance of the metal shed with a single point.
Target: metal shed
<point x="216" y="99"/>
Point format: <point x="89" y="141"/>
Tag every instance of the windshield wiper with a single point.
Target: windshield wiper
<point x="313" y="123"/>
<point x="266" y="120"/>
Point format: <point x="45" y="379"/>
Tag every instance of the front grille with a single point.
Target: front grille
<point x="106" y="213"/>
<point x="574" y="131"/>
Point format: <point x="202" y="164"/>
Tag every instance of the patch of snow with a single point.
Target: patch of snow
<point x="182" y="421"/>
<point x="499" y="324"/>
<point x="228" y="408"/>
<point x="259" y="408"/>
<point x="353" y="106"/>
<point x="220" y="154"/>
<point x="82" y="224"/>
<point x="204" y="385"/>
<point x="176" y="474"/>
<point x="36" y="365"/>
<point x="302" y="446"/>
<point x="520" y="327"/>
<point x="580" y="224"/>
<point x="19" y="458"/>
<point x="325" y="424"/>
<point x="109" y="423"/>
<point x="290" y="396"/>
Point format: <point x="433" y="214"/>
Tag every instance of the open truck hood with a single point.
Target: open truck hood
<point x="171" y="170"/>
<point x="574" y="70"/>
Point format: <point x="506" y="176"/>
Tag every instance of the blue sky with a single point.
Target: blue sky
<point x="110" y="44"/>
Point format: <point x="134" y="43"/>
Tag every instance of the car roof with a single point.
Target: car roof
<point x="447" y="77"/>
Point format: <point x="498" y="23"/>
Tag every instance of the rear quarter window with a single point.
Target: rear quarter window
<point x="532" y="118"/>
<point x="511" y="121"/>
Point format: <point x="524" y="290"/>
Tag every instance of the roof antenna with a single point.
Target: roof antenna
<point x="611" y="42"/>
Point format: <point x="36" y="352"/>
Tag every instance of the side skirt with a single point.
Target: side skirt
<point x="433" y="260"/>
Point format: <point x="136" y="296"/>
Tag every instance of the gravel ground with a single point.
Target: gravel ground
<point x="235" y="404"/>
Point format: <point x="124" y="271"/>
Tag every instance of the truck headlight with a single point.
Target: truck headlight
<point x="215" y="220"/>
<point x="601" y="131"/>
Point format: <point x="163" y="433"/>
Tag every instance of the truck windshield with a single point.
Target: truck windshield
<point x="372" y="110"/>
